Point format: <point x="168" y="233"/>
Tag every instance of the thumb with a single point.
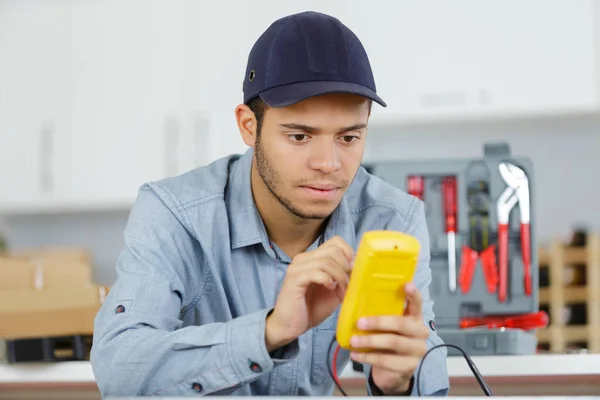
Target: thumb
<point x="413" y="301"/>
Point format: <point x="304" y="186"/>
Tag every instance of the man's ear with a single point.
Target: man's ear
<point x="246" y="122"/>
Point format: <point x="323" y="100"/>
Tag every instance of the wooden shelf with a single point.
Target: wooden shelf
<point x="567" y="333"/>
<point x="556" y="257"/>
<point x="570" y="255"/>
<point x="572" y="294"/>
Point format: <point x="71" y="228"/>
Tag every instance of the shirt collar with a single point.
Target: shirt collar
<point x="246" y="225"/>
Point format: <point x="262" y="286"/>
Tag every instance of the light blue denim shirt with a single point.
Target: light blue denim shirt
<point x="197" y="277"/>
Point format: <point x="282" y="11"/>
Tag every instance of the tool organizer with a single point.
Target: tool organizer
<point x="480" y="224"/>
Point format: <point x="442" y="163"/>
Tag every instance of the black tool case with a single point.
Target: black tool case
<point x="67" y="348"/>
<point x="477" y="186"/>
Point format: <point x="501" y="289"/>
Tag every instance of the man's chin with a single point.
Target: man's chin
<point x="317" y="213"/>
<point x="313" y="216"/>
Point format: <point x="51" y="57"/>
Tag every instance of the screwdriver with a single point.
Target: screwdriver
<point x="449" y="194"/>
<point x="536" y="320"/>
<point x="416" y="186"/>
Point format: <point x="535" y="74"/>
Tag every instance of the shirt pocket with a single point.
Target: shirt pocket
<point x="322" y="336"/>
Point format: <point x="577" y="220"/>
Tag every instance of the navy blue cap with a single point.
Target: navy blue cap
<point x="304" y="55"/>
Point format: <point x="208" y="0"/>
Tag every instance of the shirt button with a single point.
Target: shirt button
<point x="432" y="325"/>
<point x="255" y="367"/>
<point x="196" y="387"/>
<point x="120" y="309"/>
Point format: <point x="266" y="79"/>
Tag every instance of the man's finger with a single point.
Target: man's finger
<point x="341" y="243"/>
<point x="397" y="324"/>
<point x="332" y="268"/>
<point x="414" y="301"/>
<point x="390" y="343"/>
<point x="392" y="362"/>
<point x="327" y="255"/>
<point x="339" y="256"/>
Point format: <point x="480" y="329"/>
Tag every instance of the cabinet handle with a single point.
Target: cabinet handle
<point x="46" y="153"/>
<point x="171" y="128"/>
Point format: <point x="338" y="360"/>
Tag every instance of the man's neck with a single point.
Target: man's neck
<point x="291" y="233"/>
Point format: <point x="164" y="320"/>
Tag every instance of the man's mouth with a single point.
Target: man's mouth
<point x="322" y="186"/>
<point x="321" y="190"/>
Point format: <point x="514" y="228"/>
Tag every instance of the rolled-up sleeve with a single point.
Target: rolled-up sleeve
<point x="140" y="346"/>
<point x="434" y="379"/>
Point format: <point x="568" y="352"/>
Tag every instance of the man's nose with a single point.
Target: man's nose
<point x="325" y="157"/>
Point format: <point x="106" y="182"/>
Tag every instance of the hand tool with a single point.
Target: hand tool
<point x="467" y="269"/>
<point x="478" y="248"/>
<point x="416" y="186"/>
<point x="517" y="191"/>
<point x="478" y="199"/>
<point x="530" y="321"/>
<point x="449" y="195"/>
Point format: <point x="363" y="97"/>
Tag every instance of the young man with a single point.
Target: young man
<point x="232" y="274"/>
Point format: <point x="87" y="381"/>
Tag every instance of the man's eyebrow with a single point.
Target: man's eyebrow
<point x="355" y="127"/>
<point x="300" y="127"/>
<point x="311" y="129"/>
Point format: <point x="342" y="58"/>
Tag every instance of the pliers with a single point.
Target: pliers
<point x="517" y="191"/>
<point x="478" y="248"/>
<point x="488" y="263"/>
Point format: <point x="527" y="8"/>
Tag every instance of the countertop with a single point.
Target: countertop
<point x="489" y="366"/>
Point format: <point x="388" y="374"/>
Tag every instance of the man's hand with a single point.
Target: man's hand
<point x="313" y="288"/>
<point x="397" y="345"/>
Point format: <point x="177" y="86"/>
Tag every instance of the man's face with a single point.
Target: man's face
<point x="307" y="154"/>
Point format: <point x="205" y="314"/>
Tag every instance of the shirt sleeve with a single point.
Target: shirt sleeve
<point x="434" y="379"/>
<point x="140" y="345"/>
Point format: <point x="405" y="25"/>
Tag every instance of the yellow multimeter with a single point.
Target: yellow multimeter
<point x="385" y="262"/>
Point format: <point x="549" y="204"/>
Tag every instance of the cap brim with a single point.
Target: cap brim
<point x="286" y="95"/>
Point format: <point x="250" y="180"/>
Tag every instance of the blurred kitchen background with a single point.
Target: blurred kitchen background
<point x="99" y="96"/>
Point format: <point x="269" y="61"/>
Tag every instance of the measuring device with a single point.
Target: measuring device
<point x="385" y="262"/>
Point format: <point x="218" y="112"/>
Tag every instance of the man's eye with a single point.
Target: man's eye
<point x="349" y="138"/>
<point x="298" y="137"/>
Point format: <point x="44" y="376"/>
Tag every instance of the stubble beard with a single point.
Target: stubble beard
<point x="273" y="181"/>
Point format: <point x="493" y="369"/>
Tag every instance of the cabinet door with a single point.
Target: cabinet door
<point x="470" y="58"/>
<point x="128" y="101"/>
<point x="35" y="94"/>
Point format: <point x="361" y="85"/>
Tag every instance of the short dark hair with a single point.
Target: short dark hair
<point x="259" y="108"/>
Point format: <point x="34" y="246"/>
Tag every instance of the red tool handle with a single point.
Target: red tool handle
<point x="526" y="321"/>
<point x="503" y="261"/>
<point x="449" y="193"/>
<point x="526" y="252"/>
<point x="416" y="186"/>
<point x="490" y="269"/>
<point x="467" y="268"/>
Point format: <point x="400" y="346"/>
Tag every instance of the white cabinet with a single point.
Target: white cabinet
<point x="93" y="102"/>
<point x="437" y="59"/>
<point x="35" y="87"/>
<point x="129" y="106"/>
